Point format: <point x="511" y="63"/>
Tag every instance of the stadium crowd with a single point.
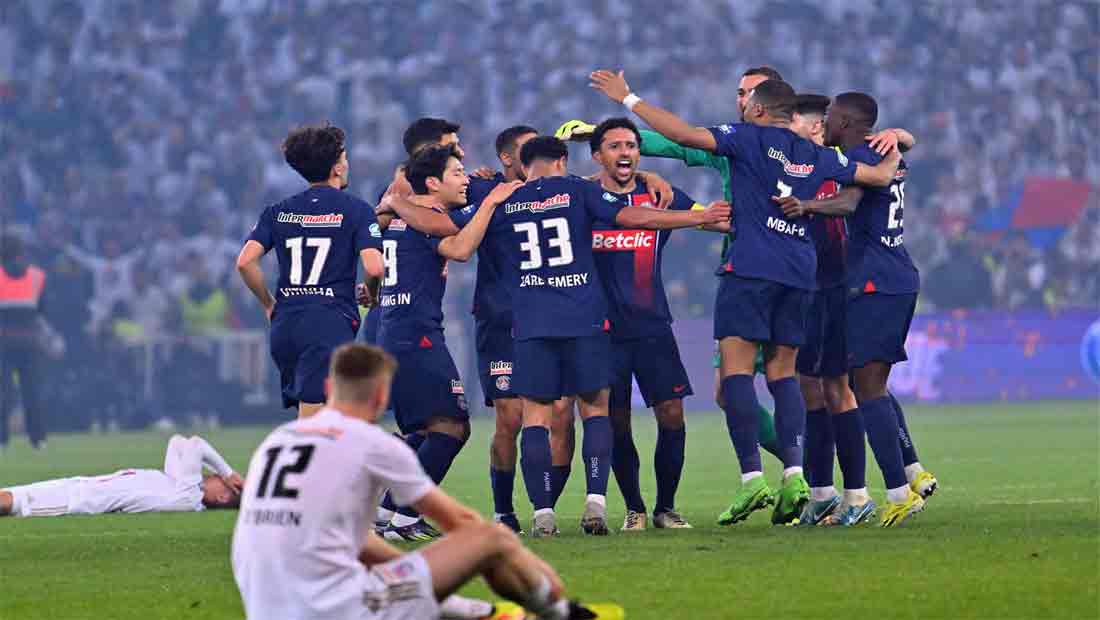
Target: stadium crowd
<point x="140" y="139"/>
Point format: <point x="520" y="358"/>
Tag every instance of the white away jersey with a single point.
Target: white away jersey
<point x="312" y="490"/>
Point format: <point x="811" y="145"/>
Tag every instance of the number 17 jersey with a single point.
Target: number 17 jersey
<point x="543" y="234"/>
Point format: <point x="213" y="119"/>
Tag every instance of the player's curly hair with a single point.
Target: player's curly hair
<point x="428" y="162"/>
<point x="313" y="150"/>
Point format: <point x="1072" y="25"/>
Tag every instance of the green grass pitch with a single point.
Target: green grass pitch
<point x="1014" y="532"/>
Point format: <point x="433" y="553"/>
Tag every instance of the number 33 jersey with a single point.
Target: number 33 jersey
<point x="543" y="236"/>
<point x="309" y="501"/>
<point x="877" y="259"/>
<point x="317" y="236"/>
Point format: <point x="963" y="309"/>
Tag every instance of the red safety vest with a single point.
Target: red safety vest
<point x="21" y="292"/>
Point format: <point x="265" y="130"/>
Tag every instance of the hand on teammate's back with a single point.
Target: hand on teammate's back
<point x="501" y="192"/>
<point x="660" y="190"/>
<point x="883" y="142"/>
<point x="717" y="212"/>
<point x="610" y="83"/>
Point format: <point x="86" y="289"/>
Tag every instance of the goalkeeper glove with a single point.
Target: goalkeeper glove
<point x="575" y="131"/>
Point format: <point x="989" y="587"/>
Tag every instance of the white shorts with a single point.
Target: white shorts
<point x="401" y="589"/>
<point x="51" y="498"/>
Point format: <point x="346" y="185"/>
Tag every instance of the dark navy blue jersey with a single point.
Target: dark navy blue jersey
<point x="830" y="235"/>
<point x="767" y="162"/>
<point x="629" y="262"/>
<point x="492" y="300"/>
<point x="543" y="237"/>
<point x="317" y="236"/>
<point x="412" y="286"/>
<point x="877" y="258"/>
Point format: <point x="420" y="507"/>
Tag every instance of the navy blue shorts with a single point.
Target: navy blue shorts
<point x="655" y="363"/>
<point x="877" y="327"/>
<point x="426" y="385"/>
<point x="368" y="333"/>
<point x="825" y="353"/>
<point x="548" y="368"/>
<point x="761" y="311"/>
<point x="494" y="362"/>
<point x="302" y="342"/>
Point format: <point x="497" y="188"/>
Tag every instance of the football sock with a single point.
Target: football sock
<point x="820" y="445"/>
<point x="790" y="419"/>
<point x="851" y="449"/>
<point x="668" y="464"/>
<point x="503" y="483"/>
<point x="437" y="453"/>
<point x="559" y="475"/>
<point x="766" y="434"/>
<point x="626" y="464"/>
<point x="912" y="469"/>
<point x="535" y="462"/>
<point x="596" y="452"/>
<point x="742" y="409"/>
<point x="908" y="450"/>
<point x="882" y="434"/>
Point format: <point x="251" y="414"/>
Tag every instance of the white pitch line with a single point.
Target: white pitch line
<point x="1029" y="502"/>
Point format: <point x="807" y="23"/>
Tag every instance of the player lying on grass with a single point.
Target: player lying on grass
<point x="179" y="487"/>
<point x="304" y="545"/>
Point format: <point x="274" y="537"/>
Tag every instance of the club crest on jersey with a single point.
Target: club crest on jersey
<point x="795" y="170"/>
<point x="561" y="201"/>
<point x="325" y="220"/>
<point x="504" y="383"/>
<point x="500" y="368"/>
<point x="456" y="387"/>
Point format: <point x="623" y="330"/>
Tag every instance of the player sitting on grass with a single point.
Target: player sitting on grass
<point x="179" y="487"/>
<point x="304" y="545"/>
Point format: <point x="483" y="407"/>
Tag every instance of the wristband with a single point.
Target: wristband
<point x="630" y="101"/>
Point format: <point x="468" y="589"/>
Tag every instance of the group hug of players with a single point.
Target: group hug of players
<point x="816" y="291"/>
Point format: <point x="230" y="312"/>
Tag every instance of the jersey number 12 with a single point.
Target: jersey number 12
<point x="305" y="453"/>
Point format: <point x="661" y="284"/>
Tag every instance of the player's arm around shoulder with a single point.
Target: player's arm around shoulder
<point x="658" y="219"/>
<point x="427" y="221"/>
<point x="461" y="246"/>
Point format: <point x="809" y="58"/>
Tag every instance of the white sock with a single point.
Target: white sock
<point x="749" y="475"/>
<point x="856" y="497"/>
<point x="543" y="511"/>
<point x="790" y="471"/>
<point x="911" y="471"/>
<point x="821" y="494"/>
<point x="383" y="515"/>
<point x="898" y="495"/>
<point x="400" y="520"/>
<point x="598" y="499"/>
<point x="540" y="603"/>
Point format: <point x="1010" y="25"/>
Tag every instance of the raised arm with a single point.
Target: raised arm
<point x="664" y="122"/>
<point x="248" y="265"/>
<point x="211" y="459"/>
<point x="656" y="145"/>
<point x="461" y="247"/>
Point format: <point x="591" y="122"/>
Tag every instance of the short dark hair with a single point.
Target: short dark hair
<point x="613" y="123"/>
<point x="428" y="162"/>
<point x="356" y="368"/>
<point x="543" y="147"/>
<point x="811" y="104"/>
<point x="313" y="150"/>
<point x="776" y="96"/>
<point x="426" y="131"/>
<point x="506" y="140"/>
<point x="861" y="107"/>
<point x="765" y="71"/>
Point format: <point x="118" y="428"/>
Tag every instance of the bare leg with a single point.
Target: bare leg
<point x="509" y="419"/>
